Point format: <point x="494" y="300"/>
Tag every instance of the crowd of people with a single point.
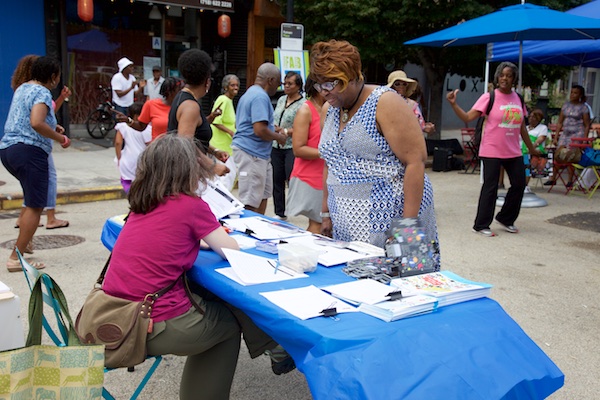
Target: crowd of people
<point x="352" y="154"/>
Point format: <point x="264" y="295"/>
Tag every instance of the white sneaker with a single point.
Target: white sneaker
<point x="487" y="232"/>
<point x="284" y="218"/>
<point x="527" y="190"/>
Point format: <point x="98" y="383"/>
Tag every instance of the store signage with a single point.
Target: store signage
<point x="292" y="36"/>
<point x="218" y="5"/>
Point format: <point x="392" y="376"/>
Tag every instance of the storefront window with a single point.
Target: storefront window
<point x="120" y="28"/>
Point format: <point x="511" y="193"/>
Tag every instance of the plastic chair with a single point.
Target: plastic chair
<point x="61" y="337"/>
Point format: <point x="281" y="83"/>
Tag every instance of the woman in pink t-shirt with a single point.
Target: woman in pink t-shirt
<point x="157" y="245"/>
<point x="500" y="147"/>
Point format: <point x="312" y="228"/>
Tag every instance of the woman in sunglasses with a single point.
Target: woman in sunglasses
<point x="374" y="153"/>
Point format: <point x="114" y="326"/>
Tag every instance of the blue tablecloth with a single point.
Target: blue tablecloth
<point x="472" y="350"/>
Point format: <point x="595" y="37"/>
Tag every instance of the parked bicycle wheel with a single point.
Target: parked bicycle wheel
<point x="99" y="123"/>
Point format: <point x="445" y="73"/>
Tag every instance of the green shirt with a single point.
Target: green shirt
<point x="221" y="139"/>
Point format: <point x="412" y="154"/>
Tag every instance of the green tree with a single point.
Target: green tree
<point x="380" y="27"/>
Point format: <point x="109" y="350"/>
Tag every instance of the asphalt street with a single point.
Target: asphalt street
<point x="546" y="277"/>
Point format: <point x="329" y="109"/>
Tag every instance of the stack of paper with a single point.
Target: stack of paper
<point x="446" y="286"/>
<point x="248" y="269"/>
<point x="367" y="291"/>
<point x="306" y="302"/>
<point x="402" y="308"/>
<point x="374" y="299"/>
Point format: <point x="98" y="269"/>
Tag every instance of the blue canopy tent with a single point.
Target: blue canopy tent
<point x="514" y="23"/>
<point x="584" y="53"/>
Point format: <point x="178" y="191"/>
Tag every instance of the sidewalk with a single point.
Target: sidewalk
<point x="86" y="171"/>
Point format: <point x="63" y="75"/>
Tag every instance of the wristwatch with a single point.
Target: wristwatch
<point x="324" y="214"/>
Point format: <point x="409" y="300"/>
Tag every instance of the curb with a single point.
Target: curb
<point x="12" y="202"/>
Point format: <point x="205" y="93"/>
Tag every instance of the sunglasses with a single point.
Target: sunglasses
<point x="329" y="86"/>
<point x="400" y="83"/>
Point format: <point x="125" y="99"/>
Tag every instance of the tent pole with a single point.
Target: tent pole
<point x="520" y="86"/>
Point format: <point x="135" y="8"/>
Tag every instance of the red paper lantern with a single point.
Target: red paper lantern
<point x="85" y="10"/>
<point x="224" y="26"/>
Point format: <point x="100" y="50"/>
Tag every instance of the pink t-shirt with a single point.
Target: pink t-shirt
<point x="155" y="249"/>
<point x="311" y="171"/>
<point x="502" y="130"/>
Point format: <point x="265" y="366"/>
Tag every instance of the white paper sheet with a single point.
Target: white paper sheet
<point x="265" y="229"/>
<point x="253" y="270"/>
<point x="366" y="291"/>
<point x="306" y="302"/>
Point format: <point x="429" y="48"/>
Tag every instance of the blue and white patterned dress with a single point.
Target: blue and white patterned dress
<point x="366" y="179"/>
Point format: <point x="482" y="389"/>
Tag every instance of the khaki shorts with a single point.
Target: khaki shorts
<point x="255" y="178"/>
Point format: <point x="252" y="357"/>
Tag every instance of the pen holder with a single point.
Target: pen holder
<point x="297" y="257"/>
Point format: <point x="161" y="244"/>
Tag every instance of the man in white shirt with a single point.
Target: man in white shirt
<point x="124" y="86"/>
<point x="152" y="88"/>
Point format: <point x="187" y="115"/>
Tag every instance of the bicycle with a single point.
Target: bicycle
<point x="102" y="120"/>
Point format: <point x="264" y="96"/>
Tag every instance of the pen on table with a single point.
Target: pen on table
<point x="276" y="266"/>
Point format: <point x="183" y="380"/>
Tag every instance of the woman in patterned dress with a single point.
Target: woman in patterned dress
<point x="373" y="149"/>
<point x="573" y="122"/>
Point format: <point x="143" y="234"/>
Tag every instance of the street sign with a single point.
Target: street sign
<point x="292" y="36"/>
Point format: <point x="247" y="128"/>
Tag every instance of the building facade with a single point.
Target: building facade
<point x="148" y="33"/>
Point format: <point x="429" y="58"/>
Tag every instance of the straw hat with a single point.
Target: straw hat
<point x="124" y="63"/>
<point x="401" y="76"/>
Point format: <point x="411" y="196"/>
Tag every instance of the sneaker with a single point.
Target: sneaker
<point x="527" y="190"/>
<point x="487" y="232"/>
<point x="280" y="217"/>
<point x="549" y="183"/>
<point x="281" y="361"/>
<point x="509" y="228"/>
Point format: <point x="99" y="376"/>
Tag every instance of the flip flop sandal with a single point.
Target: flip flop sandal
<point x="15" y="266"/>
<point x="62" y="224"/>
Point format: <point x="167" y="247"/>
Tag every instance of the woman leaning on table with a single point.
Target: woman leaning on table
<point x="27" y="142"/>
<point x="158" y="244"/>
<point x="500" y="147"/>
<point x="373" y="149"/>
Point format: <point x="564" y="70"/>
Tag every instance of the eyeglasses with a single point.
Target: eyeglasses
<point x="329" y="86"/>
<point x="400" y="83"/>
<point x="288" y="83"/>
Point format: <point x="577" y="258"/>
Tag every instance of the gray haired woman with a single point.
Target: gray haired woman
<point x="223" y="126"/>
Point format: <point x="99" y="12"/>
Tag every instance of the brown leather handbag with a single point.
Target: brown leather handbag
<point x="120" y="325"/>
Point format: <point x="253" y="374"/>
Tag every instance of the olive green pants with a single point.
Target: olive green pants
<point x="212" y="343"/>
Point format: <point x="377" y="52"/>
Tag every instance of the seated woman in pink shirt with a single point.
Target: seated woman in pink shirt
<point x="157" y="245"/>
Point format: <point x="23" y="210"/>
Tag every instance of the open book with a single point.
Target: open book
<point x="446" y="286"/>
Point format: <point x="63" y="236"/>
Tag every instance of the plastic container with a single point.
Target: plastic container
<point x="297" y="257"/>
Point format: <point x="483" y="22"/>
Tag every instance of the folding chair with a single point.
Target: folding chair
<point x="576" y="143"/>
<point x="61" y="338"/>
<point x="471" y="150"/>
